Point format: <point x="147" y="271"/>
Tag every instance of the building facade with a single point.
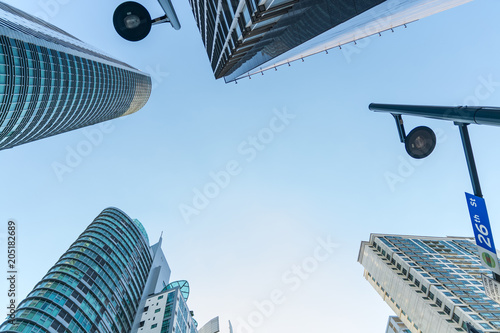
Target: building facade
<point x="250" y="36"/>
<point x="108" y="281"/>
<point x="395" y="325"/>
<point x="51" y="82"/>
<point x="213" y="326"/>
<point x="167" y="311"/>
<point x="433" y="284"/>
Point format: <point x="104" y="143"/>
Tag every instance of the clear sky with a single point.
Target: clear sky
<point x="319" y="177"/>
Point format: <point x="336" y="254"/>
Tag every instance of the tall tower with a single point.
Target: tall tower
<point x="51" y="82"/>
<point x="246" y="37"/>
<point x="109" y="281"/>
<point x="433" y="284"/>
<point x="96" y="285"/>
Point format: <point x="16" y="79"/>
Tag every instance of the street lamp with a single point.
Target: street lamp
<point x="133" y="22"/>
<point x="420" y="143"/>
<point x="462" y="116"/>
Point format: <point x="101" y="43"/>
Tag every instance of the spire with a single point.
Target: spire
<point x="161" y="239"/>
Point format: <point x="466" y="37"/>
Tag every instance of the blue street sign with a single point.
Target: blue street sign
<point x="482" y="232"/>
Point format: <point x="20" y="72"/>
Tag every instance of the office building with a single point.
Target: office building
<point x="159" y="312"/>
<point x="51" y="82"/>
<point x="433" y="284"/>
<point x="213" y="326"/>
<point x="247" y="37"/>
<point x="109" y="280"/>
<point x="395" y="325"/>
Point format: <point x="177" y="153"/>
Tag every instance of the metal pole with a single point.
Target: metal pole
<point x="471" y="164"/>
<point x="469" y="156"/>
<point x="481" y="115"/>
<point x="401" y="127"/>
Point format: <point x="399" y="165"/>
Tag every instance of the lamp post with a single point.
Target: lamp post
<point x="461" y="116"/>
<point x="420" y="143"/>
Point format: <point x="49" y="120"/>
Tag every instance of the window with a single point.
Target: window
<point x="141" y="324"/>
<point x="160" y="297"/>
<point x="431" y="295"/>
<point x="146" y="308"/>
<point x="485" y="325"/>
<point x="438" y="302"/>
<point x="447" y="309"/>
<point x="410" y="277"/>
<point x="417" y="283"/>
<point x="424" y="288"/>
<point x="157" y="310"/>
<point x="154" y="325"/>
<point x="456" y="318"/>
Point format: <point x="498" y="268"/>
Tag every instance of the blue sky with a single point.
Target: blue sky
<point x="321" y="178"/>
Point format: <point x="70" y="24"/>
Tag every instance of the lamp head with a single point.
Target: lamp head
<point x="132" y="21"/>
<point x="420" y="142"/>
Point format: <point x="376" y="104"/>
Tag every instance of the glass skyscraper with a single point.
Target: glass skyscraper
<point x="247" y="37"/>
<point x="51" y="82"/>
<point x="433" y="284"/>
<point x="110" y="280"/>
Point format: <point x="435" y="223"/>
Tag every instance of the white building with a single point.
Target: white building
<point x="395" y="325"/>
<point x="433" y="284"/>
<point x="167" y="311"/>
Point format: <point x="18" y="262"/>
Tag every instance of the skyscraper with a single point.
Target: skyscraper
<point x="109" y="280"/>
<point x="395" y="325"/>
<point x="51" y="82"/>
<point x="433" y="284"/>
<point x="247" y="37"/>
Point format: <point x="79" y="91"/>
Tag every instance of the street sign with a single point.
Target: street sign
<point x="491" y="288"/>
<point x="482" y="232"/>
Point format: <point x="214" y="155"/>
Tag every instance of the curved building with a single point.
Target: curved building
<point x="96" y="286"/>
<point x="51" y="82"/>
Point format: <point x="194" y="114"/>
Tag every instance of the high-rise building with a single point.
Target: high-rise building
<point x="51" y="82"/>
<point x="433" y="284"/>
<point x="395" y="325"/>
<point x="247" y="37"/>
<point x="167" y="311"/>
<point x="110" y="280"/>
<point x="212" y="326"/>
